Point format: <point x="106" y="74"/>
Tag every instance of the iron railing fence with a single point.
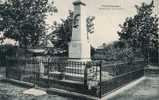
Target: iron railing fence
<point x="98" y="77"/>
<point x="108" y="77"/>
<point x="2" y="66"/>
<point x="36" y="69"/>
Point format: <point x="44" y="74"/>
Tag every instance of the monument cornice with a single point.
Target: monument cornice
<point x="79" y="3"/>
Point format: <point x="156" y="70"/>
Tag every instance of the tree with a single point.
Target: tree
<point x="141" y="31"/>
<point x="61" y="35"/>
<point x="116" y="51"/>
<point x="24" y="21"/>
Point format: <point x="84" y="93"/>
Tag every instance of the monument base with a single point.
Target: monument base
<point x="82" y="60"/>
<point x="79" y="55"/>
<point x="76" y="69"/>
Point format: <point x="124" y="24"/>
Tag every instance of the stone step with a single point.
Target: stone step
<point x="66" y="73"/>
<point x="66" y="84"/>
<point x="79" y="78"/>
<point x="67" y="76"/>
<point x="74" y="73"/>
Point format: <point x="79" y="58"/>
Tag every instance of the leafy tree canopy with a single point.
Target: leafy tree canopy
<point x="61" y="34"/>
<point x="116" y="51"/>
<point x="141" y="30"/>
<point x="24" y="20"/>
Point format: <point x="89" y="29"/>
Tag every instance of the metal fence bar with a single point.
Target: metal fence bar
<point x="100" y="82"/>
<point x="123" y="74"/>
<point x="28" y="69"/>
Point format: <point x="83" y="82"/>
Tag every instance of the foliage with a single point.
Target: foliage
<point x="7" y="50"/>
<point x="117" y="51"/>
<point x="141" y="30"/>
<point x="93" y="51"/>
<point x="61" y="36"/>
<point x="24" y="20"/>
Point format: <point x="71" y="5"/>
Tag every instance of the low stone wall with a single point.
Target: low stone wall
<point x="152" y="71"/>
<point x="120" y="81"/>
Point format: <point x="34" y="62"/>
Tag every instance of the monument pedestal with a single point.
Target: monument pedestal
<point x="79" y="51"/>
<point x="79" y="47"/>
<point x="75" y="70"/>
<point x="79" y="55"/>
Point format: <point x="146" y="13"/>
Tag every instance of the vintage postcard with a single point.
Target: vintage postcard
<point x="79" y="49"/>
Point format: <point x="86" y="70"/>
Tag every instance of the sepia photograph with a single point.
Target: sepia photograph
<point x="79" y="49"/>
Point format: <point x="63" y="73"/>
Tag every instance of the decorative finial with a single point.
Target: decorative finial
<point x="79" y="2"/>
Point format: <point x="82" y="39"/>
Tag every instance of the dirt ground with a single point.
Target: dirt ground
<point x="12" y="92"/>
<point x="148" y="89"/>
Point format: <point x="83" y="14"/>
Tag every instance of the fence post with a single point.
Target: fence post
<point x="6" y="70"/>
<point x="100" y="80"/>
<point x="85" y="74"/>
<point x="34" y="70"/>
<point x="48" y="71"/>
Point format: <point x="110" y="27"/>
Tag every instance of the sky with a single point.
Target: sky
<point x="109" y="14"/>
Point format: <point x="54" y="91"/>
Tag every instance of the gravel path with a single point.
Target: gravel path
<point x="146" y="90"/>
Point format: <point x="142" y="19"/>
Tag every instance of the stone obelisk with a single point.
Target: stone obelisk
<point x="79" y="47"/>
<point x="156" y="4"/>
<point x="156" y="10"/>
